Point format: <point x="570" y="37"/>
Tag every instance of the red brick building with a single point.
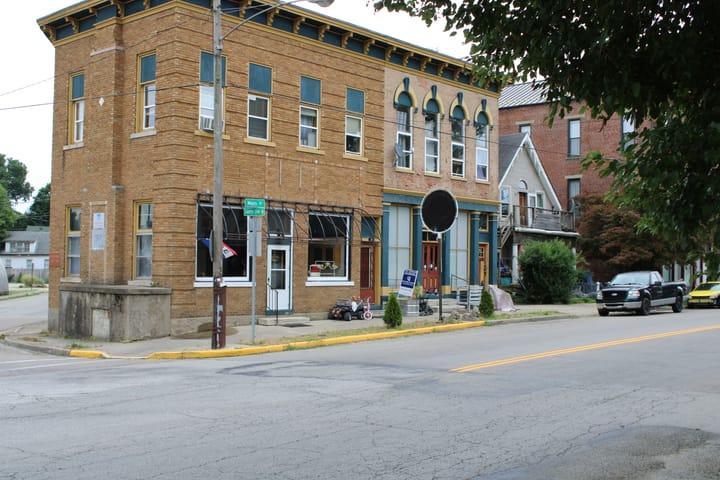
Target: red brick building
<point x="562" y="146"/>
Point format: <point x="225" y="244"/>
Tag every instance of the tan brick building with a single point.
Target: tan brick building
<point x="309" y="128"/>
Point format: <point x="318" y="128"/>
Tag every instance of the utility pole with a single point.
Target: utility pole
<point x="219" y="288"/>
<point x="218" y="323"/>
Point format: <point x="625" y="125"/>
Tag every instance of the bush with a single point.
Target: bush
<point x="30" y="281"/>
<point x="393" y="313"/>
<point x="548" y="272"/>
<point x="486" y="307"/>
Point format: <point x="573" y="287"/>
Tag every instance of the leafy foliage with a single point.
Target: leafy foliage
<point x="548" y="271"/>
<point x="486" y="307"/>
<point x="12" y="178"/>
<point x="39" y="211"/>
<point x="646" y="60"/>
<point x="393" y="313"/>
<point x="610" y="241"/>
<point x="7" y="214"/>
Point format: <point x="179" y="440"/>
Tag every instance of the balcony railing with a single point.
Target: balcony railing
<point x="538" y="218"/>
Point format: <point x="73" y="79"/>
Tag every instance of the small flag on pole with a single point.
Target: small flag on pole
<point x="226" y="249"/>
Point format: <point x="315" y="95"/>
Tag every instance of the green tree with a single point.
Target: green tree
<point x="393" y="313"/>
<point x="12" y="178"/>
<point x="548" y="271"/>
<point x="486" y="307"/>
<point x="39" y="211"/>
<point x="7" y="214"/>
<point x="646" y="60"/>
<point x="610" y="241"/>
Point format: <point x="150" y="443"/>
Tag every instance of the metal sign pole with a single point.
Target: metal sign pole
<point x="440" y="270"/>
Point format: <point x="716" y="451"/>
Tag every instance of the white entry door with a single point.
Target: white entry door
<point x="279" y="296"/>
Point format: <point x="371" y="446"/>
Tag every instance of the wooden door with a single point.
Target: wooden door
<point x="430" y="272"/>
<point x="522" y="197"/>
<point x="483" y="273"/>
<point x="367" y="272"/>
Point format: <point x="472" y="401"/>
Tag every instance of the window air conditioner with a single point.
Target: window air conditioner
<point x="206" y="123"/>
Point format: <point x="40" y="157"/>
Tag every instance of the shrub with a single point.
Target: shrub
<point x="548" y="272"/>
<point x="29" y="280"/>
<point x="486" y="307"/>
<point x="393" y="313"/>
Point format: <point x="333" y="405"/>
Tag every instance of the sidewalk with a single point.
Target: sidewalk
<point x="271" y="338"/>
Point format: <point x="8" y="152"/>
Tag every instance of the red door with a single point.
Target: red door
<point x="430" y="272"/>
<point x="367" y="272"/>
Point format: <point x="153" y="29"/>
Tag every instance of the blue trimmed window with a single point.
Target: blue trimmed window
<point x="457" y="129"/>
<point x="77" y="108"/>
<point x="207" y="90"/>
<point x="309" y="114"/>
<point x="147" y="87"/>
<point x="481" y="147"/>
<point x="259" y="105"/>
<point x="355" y="104"/>
<point x="403" y="121"/>
<point x="432" y="137"/>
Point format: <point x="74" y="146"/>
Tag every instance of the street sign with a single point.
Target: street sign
<point x="254" y="207"/>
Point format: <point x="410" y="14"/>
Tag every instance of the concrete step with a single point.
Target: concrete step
<point x="283" y="320"/>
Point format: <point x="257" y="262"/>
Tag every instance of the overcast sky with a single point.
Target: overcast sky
<point x="27" y="59"/>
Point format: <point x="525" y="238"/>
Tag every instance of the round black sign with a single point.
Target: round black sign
<point x="439" y="210"/>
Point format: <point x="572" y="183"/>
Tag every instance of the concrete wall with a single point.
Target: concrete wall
<point x="114" y="312"/>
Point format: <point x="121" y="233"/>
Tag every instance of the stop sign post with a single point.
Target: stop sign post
<point x="439" y="210"/>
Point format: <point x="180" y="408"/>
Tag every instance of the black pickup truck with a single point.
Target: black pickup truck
<point x="639" y="292"/>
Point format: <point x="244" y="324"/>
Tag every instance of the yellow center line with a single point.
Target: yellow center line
<point x="564" y="351"/>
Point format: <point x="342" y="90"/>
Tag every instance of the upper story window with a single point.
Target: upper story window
<point x="143" y="240"/>
<point x="505" y="201"/>
<point x="207" y="91"/>
<point x="525" y="128"/>
<point x="403" y="121"/>
<point x="573" y="190"/>
<point x="481" y="147"/>
<point x="457" y="128"/>
<point x="259" y="102"/>
<point x="17" y="247"/>
<point x="146" y="91"/>
<point x="355" y="103"/>
<point x="72" y="247"/>
<point x="574" y="137"/>
<point x="77" y="108"/>
<point x="432" y="143"/>
<point x="628" y="128"/>
<point x="309" y="114"/>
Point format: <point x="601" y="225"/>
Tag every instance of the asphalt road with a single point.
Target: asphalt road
<point x="623" y="397"/>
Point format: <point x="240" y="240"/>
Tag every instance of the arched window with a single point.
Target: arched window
<point x="403" y="118"/>
<point x="457" y="128"/>
<point x="432" y="137"/>
<point x="481" y="147"/>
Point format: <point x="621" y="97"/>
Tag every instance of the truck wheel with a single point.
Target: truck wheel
<point x="678" y="305"/>
<point x="347" y="316"/>
<point x="603" y="312"/>
<point x="644" y="306"/>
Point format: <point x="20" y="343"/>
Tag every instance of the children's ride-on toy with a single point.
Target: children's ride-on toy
<point x="347" y="309"/>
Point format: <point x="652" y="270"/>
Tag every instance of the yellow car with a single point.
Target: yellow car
<point x="705" y="295"/>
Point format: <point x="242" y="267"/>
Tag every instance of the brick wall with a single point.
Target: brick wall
<point x="551" y="144"/>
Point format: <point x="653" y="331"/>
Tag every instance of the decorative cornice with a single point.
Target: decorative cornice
<point x="81" y="18"/>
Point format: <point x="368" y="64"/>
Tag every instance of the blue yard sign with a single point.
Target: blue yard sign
<point x="407" y="284"/>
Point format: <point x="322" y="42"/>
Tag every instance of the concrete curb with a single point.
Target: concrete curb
<point x="36" y="348"/>
<point x="258" y="350"/>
